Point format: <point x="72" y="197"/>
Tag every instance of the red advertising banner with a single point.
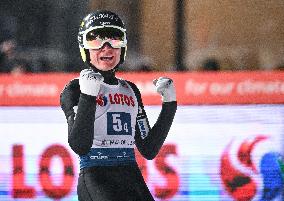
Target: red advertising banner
<point x="192" y="87"/>
<point x="32" y="89"/>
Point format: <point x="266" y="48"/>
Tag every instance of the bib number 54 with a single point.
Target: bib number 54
<point x="119" y="123"/>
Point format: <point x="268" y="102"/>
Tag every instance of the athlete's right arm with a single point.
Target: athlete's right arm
<point x="79" y="92"/>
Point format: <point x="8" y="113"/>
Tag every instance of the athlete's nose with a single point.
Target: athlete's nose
<point x="107" y="46"/>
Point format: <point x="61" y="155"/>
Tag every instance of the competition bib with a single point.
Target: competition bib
<point x="114" y="127"/>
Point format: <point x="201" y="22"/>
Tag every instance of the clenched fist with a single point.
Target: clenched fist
<point x="165" y="87"/>
<point x="90" y="82"/>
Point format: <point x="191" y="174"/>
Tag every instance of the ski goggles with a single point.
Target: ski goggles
<point x="96" y="37"/>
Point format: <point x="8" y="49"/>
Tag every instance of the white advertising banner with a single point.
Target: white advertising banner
<point x="212" y="153"/>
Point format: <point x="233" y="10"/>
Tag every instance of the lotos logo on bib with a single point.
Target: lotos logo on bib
<point x="121" y="99"/>
<point x="117" y="98"/>
<point x="101" y="100"/>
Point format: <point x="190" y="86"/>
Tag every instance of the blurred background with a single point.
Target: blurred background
<point x="163" y="35"/>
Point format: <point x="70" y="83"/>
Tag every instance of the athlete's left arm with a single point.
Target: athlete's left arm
<point x="150" y="140"/>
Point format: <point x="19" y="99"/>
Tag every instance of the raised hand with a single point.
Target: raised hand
<point x="90" y="82"/>
<point x="165" y="87"/>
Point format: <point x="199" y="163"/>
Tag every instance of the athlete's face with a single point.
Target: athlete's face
<point x="105" y="58"/>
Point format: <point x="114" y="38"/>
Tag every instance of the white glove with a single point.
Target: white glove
<point x="90" y="82"/>
<point x="165" y="87"/>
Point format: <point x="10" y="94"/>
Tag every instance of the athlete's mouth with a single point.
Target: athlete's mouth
<point x="106" y="58"/>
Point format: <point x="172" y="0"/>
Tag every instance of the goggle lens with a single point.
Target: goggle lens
<point x="96" y="39"/>
<point x="99" y="43"/>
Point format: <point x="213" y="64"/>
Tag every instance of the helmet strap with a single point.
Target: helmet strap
<point x="88" y="59"/>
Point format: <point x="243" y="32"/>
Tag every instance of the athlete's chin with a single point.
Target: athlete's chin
<point x="106" y="66"/>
